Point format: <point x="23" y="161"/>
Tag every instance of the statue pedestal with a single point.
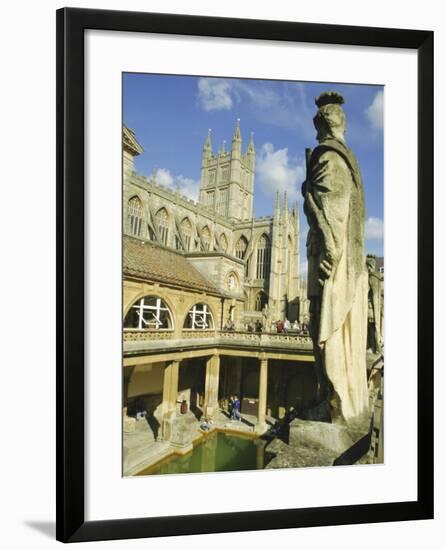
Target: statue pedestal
<point x="181" y="430"/>
<point x="313" y="443"/>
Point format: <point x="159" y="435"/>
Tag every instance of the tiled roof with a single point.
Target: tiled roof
<point x="154" y="263"/>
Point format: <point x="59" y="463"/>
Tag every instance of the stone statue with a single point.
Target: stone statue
<point x="375" y="306"/>
<point x="231" y="282"/>
<point x="337" y="277"/>
<point x="266" y="318"/>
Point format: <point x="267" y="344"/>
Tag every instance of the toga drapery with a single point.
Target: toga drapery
<point x="334" y="204"/>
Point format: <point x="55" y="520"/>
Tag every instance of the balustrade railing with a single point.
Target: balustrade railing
<point x="242" y="337"/>
<point x="267" y="337"/>
<point x="134" y="335"/>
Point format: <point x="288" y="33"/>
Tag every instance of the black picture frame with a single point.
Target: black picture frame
<point x="71" y="24"/>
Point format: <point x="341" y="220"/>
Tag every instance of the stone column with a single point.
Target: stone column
<point x="169" y="397"/>
<point x="262" y="396"/>
<point x="211" y="386"/>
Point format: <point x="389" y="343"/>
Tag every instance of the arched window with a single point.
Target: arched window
<point x="162" y="221"/>
<point x="199" y="318"/>
<point x="241" y="247"/>
<point x="260" y="301"/>
<point x="223" y="244"/>
<point x="263" y="258"/>
<point x="186" y="228"/>
<point x="135" y="217"/>
<point x="206" y="237"/>
<point x="150" y="312"/>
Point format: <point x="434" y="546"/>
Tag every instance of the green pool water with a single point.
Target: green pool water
<point x="218" y="452"/>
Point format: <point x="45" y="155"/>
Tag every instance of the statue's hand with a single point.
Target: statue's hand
<point x="327" y="267"/>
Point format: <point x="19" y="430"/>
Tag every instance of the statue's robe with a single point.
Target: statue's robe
<point x="375" y="309"/>
<point x="334" y="205"/>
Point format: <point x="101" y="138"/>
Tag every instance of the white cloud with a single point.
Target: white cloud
<point x="284" y="105"/>
<point x="188" y="187"/>
<point x="164" y="177"/>
<point x="375" y="111"/>
<point x="277" y="172"/>
<point x="215" y="94"/>
<point x="185" y="186"/>
<point x="374" y="229"/>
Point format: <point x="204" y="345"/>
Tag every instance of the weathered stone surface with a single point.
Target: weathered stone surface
<point x="337" y="276"/>
<point x="301" y="456"/>
<point x="315" y="443"/>
<point x="334" y="437"/>
<point x="183" y="429"/>
<point x="129" y="424"/>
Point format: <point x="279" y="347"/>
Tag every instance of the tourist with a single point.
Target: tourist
<point x="280" y="325"/>
<point x="249" y="327"/>
<point x="297" y="327"/>
<point x="258" y="326"/>
<point x="286" y="325"/>
<point x="230" y="407"/>
<point x="236" y="406"/>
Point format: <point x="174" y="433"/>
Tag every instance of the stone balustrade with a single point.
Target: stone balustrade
<point x="213" y="337"/>
<point x="134" y="335"/>
<point x="189" y="333"/>
<point x="262" y="338"/>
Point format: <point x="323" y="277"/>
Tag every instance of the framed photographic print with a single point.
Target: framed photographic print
<point x="245" y="238"/>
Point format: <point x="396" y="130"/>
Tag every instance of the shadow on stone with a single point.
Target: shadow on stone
<point x="279" y="430"/>
<point x="357" y="450"/>
<point x="318" y="413"/>
<point x="354" y="453"/>
<point x="154" y="424"/>
<point x="247" y="422"/>
<point x="196" y="411"/>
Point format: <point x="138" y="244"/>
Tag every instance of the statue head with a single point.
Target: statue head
<point x="330" y="120"/>
<point x="371" y="263"/>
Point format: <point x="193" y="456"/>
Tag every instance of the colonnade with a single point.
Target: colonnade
<point x="170" y="391"/>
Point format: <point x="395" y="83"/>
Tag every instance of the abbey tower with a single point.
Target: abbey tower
<point x="227" y="178"/>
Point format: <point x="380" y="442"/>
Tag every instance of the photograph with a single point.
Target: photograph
<point x="252" y="274"/>
<point x="231" y="217"/>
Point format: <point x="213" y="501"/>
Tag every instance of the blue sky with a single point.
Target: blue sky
<point x="172" y="114"/>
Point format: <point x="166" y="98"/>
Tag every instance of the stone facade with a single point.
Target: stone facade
<point x="252" y="260"/>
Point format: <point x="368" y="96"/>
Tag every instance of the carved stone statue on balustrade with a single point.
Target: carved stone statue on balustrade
<point x="337" y="276"/>
<point x="375" y="306"/>
<point x="266" y="318"/>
